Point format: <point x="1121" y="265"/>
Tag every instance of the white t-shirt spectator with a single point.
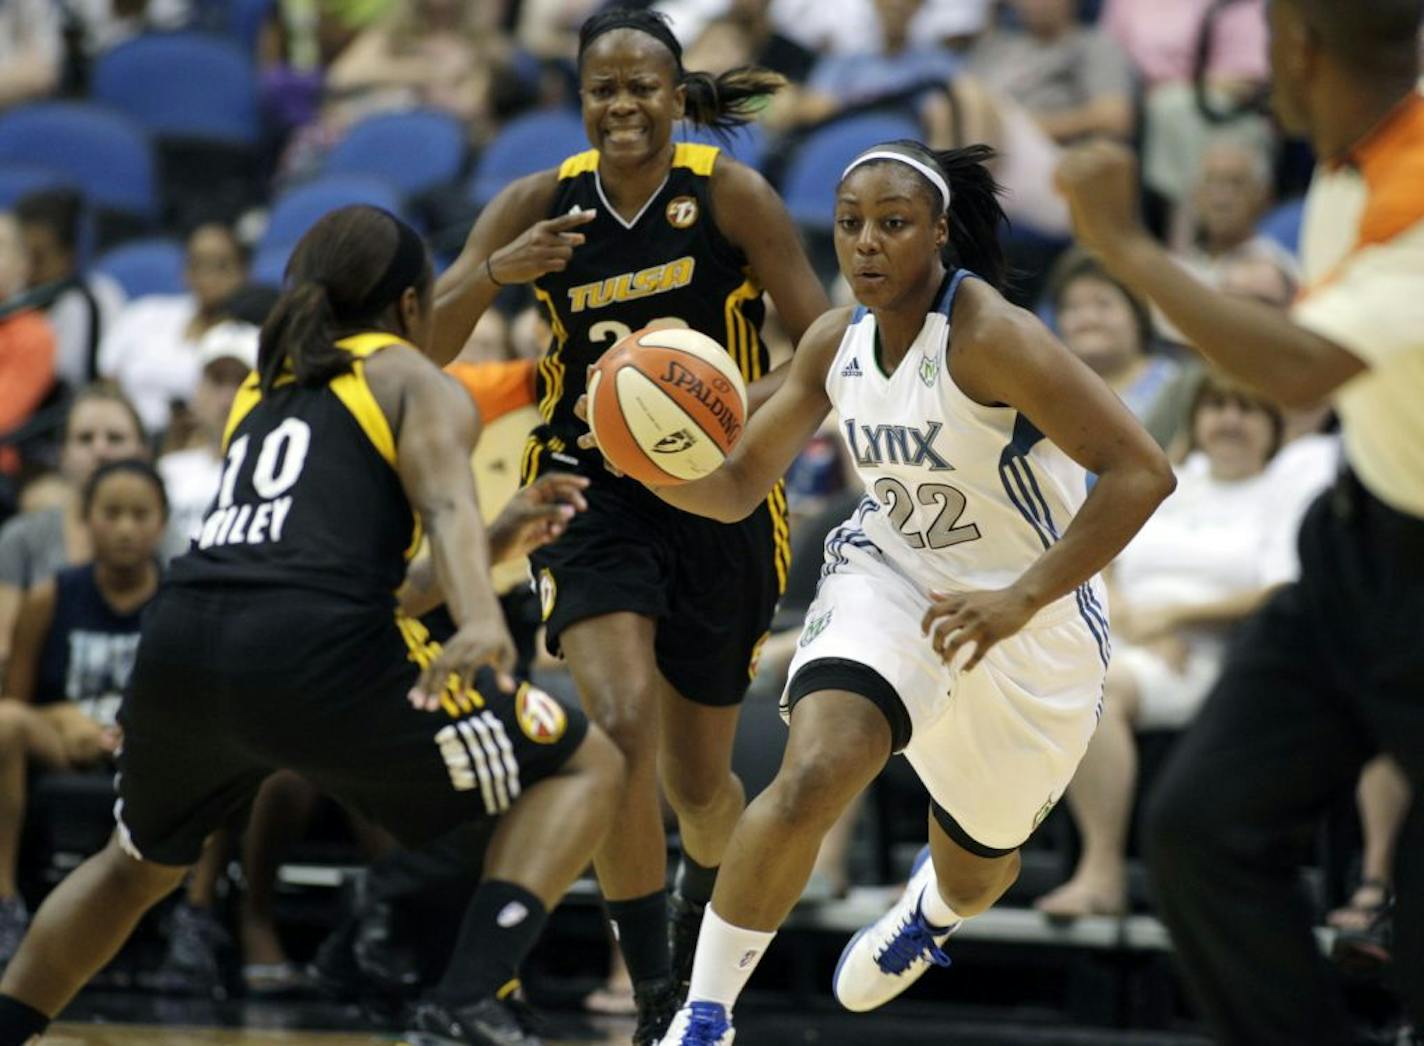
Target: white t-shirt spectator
<point x="73" y="319"/>
<point x="148" y="353"/>
<point x="191" y="478"/>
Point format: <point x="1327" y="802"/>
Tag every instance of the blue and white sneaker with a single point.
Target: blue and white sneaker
<point x="700" y="1024"/>
<point x="890" y="954"/>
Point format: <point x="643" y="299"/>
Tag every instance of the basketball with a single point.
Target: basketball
<point x="666" y="406"/>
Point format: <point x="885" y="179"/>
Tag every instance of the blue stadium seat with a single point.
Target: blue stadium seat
<point x="147" y="266"/>
<point x="21" y="179"/>
<point x="102" y="152"/>
<point x="525" y="145"/>
<point x="815" y="171"/>
<point x="298" y="209"/>
<point x="746" y="143"/>
<point x="191" y="85"/>
<point x="245" y="19"/>
<point x="1283" y="224"/>
<point x="414" y="151"/>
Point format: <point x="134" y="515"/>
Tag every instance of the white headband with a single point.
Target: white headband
<point x="936" y="179"/>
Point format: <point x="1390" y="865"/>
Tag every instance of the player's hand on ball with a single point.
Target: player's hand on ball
<point x="955" y="620"/>
<point x="537" y="515"/>
<point x="588" y="441"/>
<point x="544" y="247"/>
<point x="475" y="645"/>
<point x="1099" y="181"/>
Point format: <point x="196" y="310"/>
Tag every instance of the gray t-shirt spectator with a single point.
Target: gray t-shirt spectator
<point x="32" y="548"/>
<point x="1047" y="77"/>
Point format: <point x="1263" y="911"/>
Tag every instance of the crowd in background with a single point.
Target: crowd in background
<point x="92" y="374"/>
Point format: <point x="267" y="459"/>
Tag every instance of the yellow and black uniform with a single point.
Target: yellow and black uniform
<point x="712" y="587"/>
<point x="275" y="643"/>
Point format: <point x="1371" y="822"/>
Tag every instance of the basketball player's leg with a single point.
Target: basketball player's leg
<point x="1229" y="822"/>
<point x="696" y="773"/>
<point x="82" y="925"/>
<point x="839" y="742"/>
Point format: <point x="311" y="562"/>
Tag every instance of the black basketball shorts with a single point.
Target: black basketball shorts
<point x="712" y="587"/>
<point x="230" y="685"/>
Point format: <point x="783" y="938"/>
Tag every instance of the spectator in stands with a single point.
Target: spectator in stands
<point x="890" y="65"/>
<point x="1162" y="39"/>
<point x="1207" y="559"/>
<point x="490" y="341"/>
<point x="152" y="349"/>
<point x="26" y="342"/>
<point x="31" y="50"/>
<point x="102" y="426"/>
<point x="1232" y="193"/>
<point x="75" y="641"/>
<point x="79" y="307"/>
<point x="1074" y="80"/>
<point x="1110" y="330"/>
<point x="739" y="32"/>
<point x="226" y="355"/>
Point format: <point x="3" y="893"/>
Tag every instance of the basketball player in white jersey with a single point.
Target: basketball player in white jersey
<point x="959" y="618"/>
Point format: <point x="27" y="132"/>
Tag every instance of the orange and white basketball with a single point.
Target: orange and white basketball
<point x="666" y="405"/>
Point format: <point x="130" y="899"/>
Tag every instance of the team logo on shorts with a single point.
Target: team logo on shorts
<point x="1044" y="810"/>
<point x="542" y="719"/>
<point x="548" y="592"/>
<point x="814" y="628"/>
<point x="682" y="212"/>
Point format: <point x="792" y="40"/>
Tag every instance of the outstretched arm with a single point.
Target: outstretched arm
<point x="1257" y="343"/>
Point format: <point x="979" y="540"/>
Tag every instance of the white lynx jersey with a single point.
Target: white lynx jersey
<point x="959" y="496"/>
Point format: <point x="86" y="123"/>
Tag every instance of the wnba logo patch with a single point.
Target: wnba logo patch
<point x="548" y="592"/>
<point x="542" y="719"/>
<point x="682" y="212"/>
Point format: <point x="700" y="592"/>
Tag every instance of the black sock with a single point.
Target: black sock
<point x="19" y="1023"/>
<point x="500" y="927"/>
<point x="642" y="928"/>
<point x="695" y="881"/>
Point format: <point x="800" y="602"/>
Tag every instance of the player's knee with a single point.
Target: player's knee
<point x="142" y="882"/>
<point x="627" y="718"/>
<point x="808" y="793"/>
<point x="600" y="763"/>
<point x="696" y="788"/>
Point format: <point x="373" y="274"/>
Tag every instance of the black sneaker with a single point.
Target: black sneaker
<point x="488" y="1022"/>
<point x="1367" y="950"/>
<point x="684" y="924"/>
<point x="191" y="966"/>
<point x="14" y="921"/>
<point x="658" y="1002"/>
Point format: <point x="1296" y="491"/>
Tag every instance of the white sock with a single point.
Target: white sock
<point x="936" y="910"/>
<point x="726" y="957"/>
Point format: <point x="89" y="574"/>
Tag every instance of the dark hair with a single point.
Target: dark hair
<point x="1377" y="38"/>
<point x="105" y="392"/>
<point x="1076" y="264"/>
<point x="58" y="210"/>
<point x="1218" y="383"/>
<point x="975" y="213"/>
<point x="346" y="273"/>
<point x="721" y="102"/>
<point x="129" y="466"/>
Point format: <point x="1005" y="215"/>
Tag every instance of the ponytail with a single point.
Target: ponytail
<point x="722" y="103"/>
<point x="300" y="338"/>
<point x="975" y="213"/>
<point x="346" y="275"/>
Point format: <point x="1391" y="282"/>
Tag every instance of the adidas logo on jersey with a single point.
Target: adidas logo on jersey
<point x="851" y="369"/>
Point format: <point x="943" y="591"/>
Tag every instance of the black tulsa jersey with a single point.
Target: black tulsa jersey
<point x="309" y="497"/>
<point x="670" y="266"/>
